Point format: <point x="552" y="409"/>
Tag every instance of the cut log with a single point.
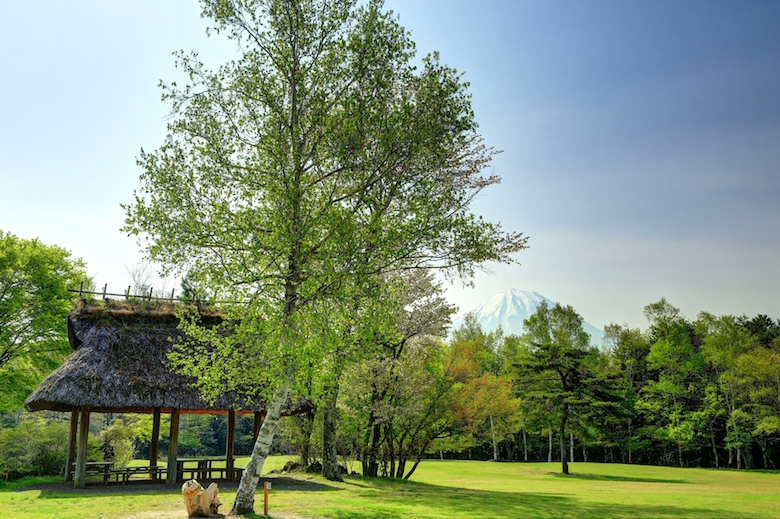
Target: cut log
<point x="200" y="502"/>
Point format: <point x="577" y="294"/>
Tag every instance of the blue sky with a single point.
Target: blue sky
<point x="641" y="139"/>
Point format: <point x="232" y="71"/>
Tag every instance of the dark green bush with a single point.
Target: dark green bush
<point x="33" y="445"/>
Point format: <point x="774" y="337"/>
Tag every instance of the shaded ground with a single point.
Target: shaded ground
<point x="137" y="486"/>
<point x="444" y="490"/>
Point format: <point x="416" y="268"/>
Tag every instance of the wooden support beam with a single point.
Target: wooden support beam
<point x="81" y="454"/>
<point x="155" y="450"/>
<point x="71" y="457"/>
<point x="258" y="422"/>
<point x="230" y="443"/>
<point x="173" y="448"/>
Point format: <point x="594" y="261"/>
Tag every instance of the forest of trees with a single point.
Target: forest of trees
<point x="689" y="393"/>
<point x="320" y="180"/>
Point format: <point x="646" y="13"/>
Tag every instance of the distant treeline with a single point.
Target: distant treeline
<point x="690" y="393"/>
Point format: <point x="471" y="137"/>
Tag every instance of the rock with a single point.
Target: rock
<point x="314" y="468"/>
<point x="200" y="502"/>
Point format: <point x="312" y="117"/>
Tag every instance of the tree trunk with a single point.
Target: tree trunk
<point x="764" y="457"/>
<point x="562" y="440"/>
<point x="584" y="454"/>
<point x="414" y="467"/>
<point x="731" y="457"/>
<point x="401" y="466"/>
<point x="712" y="440"/>
<point x="571" y="447"/>
<point x="622" y="446"/>
<point x="679" y="452"/>
<point x="245" y="496"/>
<point x="525" y="447"/>
<point x="371" y="466"/>
<point x="307" y="426"/>
<point x="441" y="455"/>
<point x="738" y="459"/>
<point x="495" y="444"/>
<point x="549" y="447"/>
<point x="330" y="461"/>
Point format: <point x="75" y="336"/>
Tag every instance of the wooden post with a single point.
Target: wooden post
<point x="173" y="447"/>
<point x="105" y="287"/>
<point x="74" y="425"/>
<point x="127" y="294"/>
<point x="265" y="498"/>
<point x="150" y="293"/>
<point x="230" y="443"/>
<point x="81" y="454"/>
<point x="155" y="450"/>
<point x="81" y="287"/>
<point x="258" y="422"/>
<point x="172" y="291"/>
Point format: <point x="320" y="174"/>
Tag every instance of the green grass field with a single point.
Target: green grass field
<point x="448" y="489"/>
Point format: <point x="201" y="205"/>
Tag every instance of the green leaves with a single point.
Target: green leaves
<point x="316" y="160"/>
<point x="34" y="299"/>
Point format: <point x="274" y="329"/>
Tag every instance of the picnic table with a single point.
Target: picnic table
<point x="95" y="468"/>
<point x="204" y="469"/>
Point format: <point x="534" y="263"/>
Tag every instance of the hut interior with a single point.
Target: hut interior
<point x="120" y="364"/>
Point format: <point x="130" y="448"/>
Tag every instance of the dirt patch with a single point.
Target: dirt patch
<point x="159" y="514"/>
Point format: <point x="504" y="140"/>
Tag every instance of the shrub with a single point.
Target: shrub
<point x="117" y="442"/>
<point x="34" y="447"/>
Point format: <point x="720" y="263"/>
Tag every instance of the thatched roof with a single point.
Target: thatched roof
<point x="120" y="365"/>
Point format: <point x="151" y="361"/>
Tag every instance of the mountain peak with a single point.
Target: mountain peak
<point x="509" y="309"/>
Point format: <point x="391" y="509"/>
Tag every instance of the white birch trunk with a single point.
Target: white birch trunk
<point x="495" y="445"/>
<point x="245" y="496"/>
<point x="571" y="446"/>
<point x="525" y="447"/>
<point x="549" y="449"/>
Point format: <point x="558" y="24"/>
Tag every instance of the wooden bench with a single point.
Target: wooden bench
<point x="127" y="472"/>
<point x="209" y="473"/>
<point x="95" y="468"/>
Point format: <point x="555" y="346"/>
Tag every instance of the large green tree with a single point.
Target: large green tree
<point x="34" y="297"/>
<point x="34" y="300"/>
<point x="318" y="158"/>
<point x="558" y="370"/>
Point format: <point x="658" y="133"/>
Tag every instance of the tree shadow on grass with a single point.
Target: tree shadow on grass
<point x="605" y="477"/>
<point x="421" y="501"/>
<point x="383" y="499"/>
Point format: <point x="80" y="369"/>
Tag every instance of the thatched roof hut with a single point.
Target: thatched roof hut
<point x="120" y="365"/>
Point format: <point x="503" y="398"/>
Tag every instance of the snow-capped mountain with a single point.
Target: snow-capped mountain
<point x="510" y="308"/>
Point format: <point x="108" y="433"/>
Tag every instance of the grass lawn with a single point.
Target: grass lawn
<point x="447" y="489"/>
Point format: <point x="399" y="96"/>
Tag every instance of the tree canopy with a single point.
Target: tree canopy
<point x="318" y="158"/>
<point x="34" y="300"/>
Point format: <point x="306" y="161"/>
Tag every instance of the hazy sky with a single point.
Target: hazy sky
<point x="641" y="139"/>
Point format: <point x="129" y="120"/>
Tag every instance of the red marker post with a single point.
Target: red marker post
<point x="266" y="488"/>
